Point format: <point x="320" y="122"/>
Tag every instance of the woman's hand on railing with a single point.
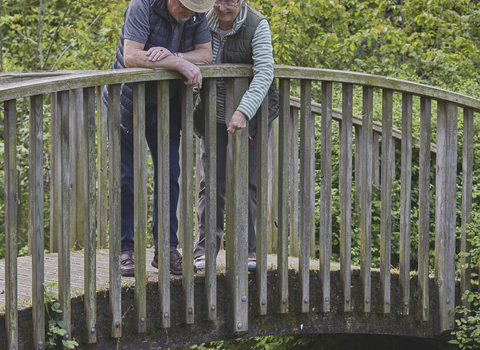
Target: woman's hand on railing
<point x="158" y="53"/>
<point x="238" y="121"/>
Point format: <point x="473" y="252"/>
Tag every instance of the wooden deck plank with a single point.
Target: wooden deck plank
<point x="51" y="273"/>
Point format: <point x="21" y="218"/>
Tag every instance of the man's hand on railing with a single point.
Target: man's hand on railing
<point x="191" y="72"/>
<point x="238" y="121"/>
<point x="158" y="53"/>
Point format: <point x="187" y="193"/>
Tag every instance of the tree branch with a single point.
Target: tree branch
<point x="55" y="36"/>
<point x="72" y="44"/>
<point x="41" y="16"/>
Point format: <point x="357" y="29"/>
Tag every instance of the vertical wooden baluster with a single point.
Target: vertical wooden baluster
<point x="345" y="187"/>
<point x="376" y="161"/>
<point x="467" y="170"/>
<point x="36" y="217"/>
<point x="366" y="168"/>
<point x="163" y="215"/>
<point x="75" y="114"/>
<point x="55" y="184"/>
<point x="405" y="200"/>
<point x="294" y="205"/>
<point x="386" y="200"/>
<point x="102" y="172"/>
<point x="445" y="211"/>
<point x="87" y="149"/>
<point x="63" y="109"/>
<point x="11" y="197"/>
<point x="187" y="202"/>
<point x="273" y="143"/>
<point x="262" y="206"/>
<point x="140" y="206"/>
<point x="326" y="194"/>
<point x="237" y="213"/>
<point x="114" y="148"/>
<point x="283" y="183"/>
<point x="307" y="189"/>
<point x="210" y="87"/>
<point x="358" y="174"/>
<point x="424" y="206"/>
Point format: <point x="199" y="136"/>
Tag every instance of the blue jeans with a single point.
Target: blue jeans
<point x="127" y="174"/>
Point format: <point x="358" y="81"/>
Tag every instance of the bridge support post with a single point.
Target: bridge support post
<point x="386" y="197"/>
<point x="345" y="190"/>
<point x="11" y="212"/>
<point x="283" y="184"/>
<point x="366" y="198"/>
<point x="237" y="213"/>
<point x="114" y="215"/>
<point x="186" y="193"/>
<point x="326" y="194"/>
<point x="424" y="207"/>
<point x="140" y="206"/>
<point x="445" y="212"/>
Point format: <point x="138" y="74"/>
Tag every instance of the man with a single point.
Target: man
<point x="171" y="34"/>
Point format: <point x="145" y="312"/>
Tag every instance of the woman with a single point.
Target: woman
<point x="239" y="35"/>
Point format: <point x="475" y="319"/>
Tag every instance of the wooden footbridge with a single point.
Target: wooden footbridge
<point x="289" y="293"/>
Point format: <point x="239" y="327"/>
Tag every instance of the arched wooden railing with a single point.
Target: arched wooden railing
<point x="79" y="205"/>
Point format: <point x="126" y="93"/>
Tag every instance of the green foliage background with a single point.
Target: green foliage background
<point x="435" y="42"/>
<point x="430" y="41"/>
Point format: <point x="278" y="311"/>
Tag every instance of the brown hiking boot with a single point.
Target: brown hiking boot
<point x="127" y="265"/>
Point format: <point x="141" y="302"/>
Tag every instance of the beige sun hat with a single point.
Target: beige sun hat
<point x="199" y="6"/>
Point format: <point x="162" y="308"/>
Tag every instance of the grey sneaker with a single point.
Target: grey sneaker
<point x="200" y="262"/>
<point x="252" y="264"/>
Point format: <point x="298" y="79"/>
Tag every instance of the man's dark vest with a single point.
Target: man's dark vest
<point x="161" y="34"/>
<point x="238" y="49"/>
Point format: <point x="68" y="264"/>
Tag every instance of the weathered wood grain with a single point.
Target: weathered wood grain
<point x="283" y="185"/>
<point x="102" y="170"/>
<point x="237" y="213"/>
<point x="345" y="190"/>
<point x="63" y="110"/>
<point x="163" y="209"/>
<point x="294" y="243"/>
<point x="307" y="190"/>
<point x="36" y="208"/>
<point x="326" y="194"/>
<point x="11" y="216"/>
<point x="366" y="154"/>
<point x="87" y="144"/>
<point x="386" y="200"/>
<point x="108" y="77"/>
<point x="445" y="212"/>
<point x="424" y="206"/>
<point x="186" y="190"/>
<point x="210" y="87"/>
<point x="262" y="207"/>
<point x="55" y="184"/>
<point x="405" y="200"/>
<point x="76" y="196"/>
<point x="140" y="205"/>
<point x="114" y="171"/>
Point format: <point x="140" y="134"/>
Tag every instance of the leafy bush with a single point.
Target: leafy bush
<point x="467" y="333"/>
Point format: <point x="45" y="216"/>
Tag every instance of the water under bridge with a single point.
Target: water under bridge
<point x="290" y="292"/>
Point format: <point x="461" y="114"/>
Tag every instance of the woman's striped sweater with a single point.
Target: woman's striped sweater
<point x="262" y="64"/>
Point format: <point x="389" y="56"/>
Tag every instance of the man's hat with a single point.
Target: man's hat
<point x="199" y="6"/>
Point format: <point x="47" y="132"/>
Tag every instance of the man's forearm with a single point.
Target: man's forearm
<point x="140" y="59"/>
<point x="201" y="55"/>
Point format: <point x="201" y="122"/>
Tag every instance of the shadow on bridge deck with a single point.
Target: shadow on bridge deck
<point x="274" y="323"/>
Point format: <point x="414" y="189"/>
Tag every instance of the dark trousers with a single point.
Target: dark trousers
<point x="128" y="180"/>
<point x="222" y="142"/>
